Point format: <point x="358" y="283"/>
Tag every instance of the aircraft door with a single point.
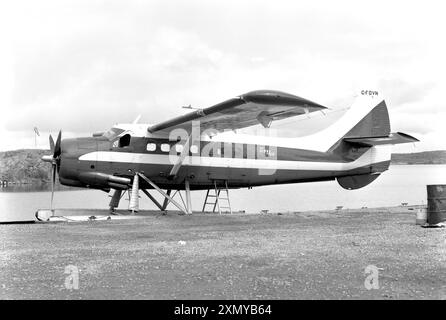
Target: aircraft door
<point x="119" y="145"/>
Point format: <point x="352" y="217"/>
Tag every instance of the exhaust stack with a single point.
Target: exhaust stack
<point x="99" y="178"/>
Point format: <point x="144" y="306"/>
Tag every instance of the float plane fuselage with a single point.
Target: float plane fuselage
<point x="202" y="149"/>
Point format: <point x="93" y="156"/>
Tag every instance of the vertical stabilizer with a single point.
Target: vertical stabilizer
<point x="367" y="117"/>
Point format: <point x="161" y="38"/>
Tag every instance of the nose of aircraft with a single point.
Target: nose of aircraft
<point x="54" y="159"/>
<point x="69" y="146"/>
<point x="47" y="158"/>
<point x="55" y="149"/>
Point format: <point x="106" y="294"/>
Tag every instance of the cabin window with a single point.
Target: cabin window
<point x="267" y="151"/>
<point x="151" y="147"/>
<point x="238" y="151"/>
<point x="165" y="147"/>
<point x="250" y="151"/>
<point x="124" y="141"/>
<point x="228" y="150"/>
<point x="194" y="149"/>
<point x="178" y="148"/>
<point x="262" y="152"/>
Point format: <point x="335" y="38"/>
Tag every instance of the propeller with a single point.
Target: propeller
<point x="55" y="162"/>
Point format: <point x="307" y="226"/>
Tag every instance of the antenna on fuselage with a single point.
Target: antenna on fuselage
<point x="190" y="107"/>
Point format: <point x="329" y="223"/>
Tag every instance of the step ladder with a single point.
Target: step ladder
<point x="217" y="190"/>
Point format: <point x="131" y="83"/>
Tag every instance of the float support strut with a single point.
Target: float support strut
<point x="165" y="195"/>
<point x="153" y="199"/>
<point x="114" y="201"/>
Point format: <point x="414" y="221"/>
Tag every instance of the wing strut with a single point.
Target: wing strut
<point x="177" y="166"/>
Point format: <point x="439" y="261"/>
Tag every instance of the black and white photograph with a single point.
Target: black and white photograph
<point x="234" y="151"/>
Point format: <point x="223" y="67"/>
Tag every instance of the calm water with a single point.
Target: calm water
<point x="400" y="184"/>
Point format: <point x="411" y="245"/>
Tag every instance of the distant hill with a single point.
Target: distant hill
<point x="25" y="166"/>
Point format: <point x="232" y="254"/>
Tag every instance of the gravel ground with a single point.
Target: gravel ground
<point x="312" y="255"/>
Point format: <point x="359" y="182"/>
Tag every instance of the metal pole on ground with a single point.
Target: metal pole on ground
<point x="188" y="197"/>
<point x="134" y="197"/>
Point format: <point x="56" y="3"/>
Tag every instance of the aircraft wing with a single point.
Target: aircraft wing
<point x="263" y="106"/>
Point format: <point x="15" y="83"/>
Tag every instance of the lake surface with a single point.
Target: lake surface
<point x="401" y="183"/>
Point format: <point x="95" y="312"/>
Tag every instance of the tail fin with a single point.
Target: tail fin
<point x="367" y="117"/>
<point x="373" y="128"/>
<point x="368" y="141"/>
<point x="375" y="124"/>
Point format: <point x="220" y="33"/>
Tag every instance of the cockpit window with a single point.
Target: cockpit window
<point x="112" y="133"/>
<point x="124" y="141"/>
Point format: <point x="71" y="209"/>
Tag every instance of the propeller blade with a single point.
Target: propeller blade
<point x="53" y="178"/>
<point x="51" y="144"/>
<point x="53" y="182"/>
<point x="57" y="149"/>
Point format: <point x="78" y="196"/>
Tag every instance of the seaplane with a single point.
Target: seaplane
<point x="205" y="150"/>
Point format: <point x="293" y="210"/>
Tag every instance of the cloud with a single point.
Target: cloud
<point x="416" y="123"/>
<point x="83" y="66"/>
<point x="106" y="87"/>
<point x="400" y="91"/>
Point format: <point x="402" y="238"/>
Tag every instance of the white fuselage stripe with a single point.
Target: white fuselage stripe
<point x="373" y="155"/>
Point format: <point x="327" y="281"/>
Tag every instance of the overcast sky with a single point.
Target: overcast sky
<point x="82" y="66"/>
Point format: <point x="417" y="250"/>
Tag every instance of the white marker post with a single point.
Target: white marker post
<point x="134" y="197"/>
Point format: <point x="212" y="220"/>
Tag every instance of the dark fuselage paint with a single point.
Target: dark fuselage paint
<point x="200" y="177"/>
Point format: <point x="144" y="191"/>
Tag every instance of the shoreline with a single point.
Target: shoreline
<point x="122" y="213"/>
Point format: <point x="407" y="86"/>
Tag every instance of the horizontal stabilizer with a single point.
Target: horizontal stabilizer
<point x="393" y="138"/>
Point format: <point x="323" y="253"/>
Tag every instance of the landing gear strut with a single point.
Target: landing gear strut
<point x="114" y="202"/>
